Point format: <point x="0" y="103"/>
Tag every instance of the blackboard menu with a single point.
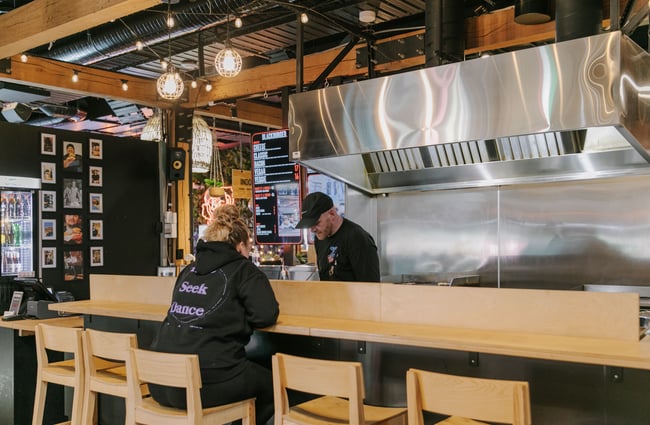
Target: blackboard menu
<point x="276" y="189"/>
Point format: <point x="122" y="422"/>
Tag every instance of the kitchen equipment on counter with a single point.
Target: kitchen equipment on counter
<point x="303" y="272"/>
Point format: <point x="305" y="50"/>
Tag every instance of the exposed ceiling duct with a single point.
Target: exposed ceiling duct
<point x="571" y="110"/>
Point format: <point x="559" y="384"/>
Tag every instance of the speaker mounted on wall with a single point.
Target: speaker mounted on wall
<point x="176" y="164"/>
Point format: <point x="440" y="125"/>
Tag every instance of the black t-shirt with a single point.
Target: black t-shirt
<point x="348" y="255"/>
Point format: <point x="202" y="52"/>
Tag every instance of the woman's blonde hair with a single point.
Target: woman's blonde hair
<point x="227" y="226"/>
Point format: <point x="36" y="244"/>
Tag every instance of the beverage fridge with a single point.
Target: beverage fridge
<point x="18" y="245"/>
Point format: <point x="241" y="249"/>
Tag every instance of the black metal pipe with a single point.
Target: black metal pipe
<point x="577" y="18"/>
<point x="444" y="40"/>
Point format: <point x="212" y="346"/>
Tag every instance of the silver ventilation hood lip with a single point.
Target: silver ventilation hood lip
<point x="577" y="109"/>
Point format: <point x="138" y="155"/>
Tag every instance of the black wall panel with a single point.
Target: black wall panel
<point x="130" y="201"/>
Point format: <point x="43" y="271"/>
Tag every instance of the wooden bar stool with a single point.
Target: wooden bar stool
<point x="69" y="373"/>
<point x="182" y="371"/>
<point x="105" y="355"/>
<point x="340" y="385"/>
<point x="465" y="399"/>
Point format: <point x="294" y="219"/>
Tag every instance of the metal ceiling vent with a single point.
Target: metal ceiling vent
<point x="575" y="109"/>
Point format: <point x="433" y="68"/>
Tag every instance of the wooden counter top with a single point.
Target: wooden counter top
<point x="590" y="328"/>
<point x="26" y="327"/>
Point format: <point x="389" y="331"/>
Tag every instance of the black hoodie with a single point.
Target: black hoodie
<point x="217" y="302"/>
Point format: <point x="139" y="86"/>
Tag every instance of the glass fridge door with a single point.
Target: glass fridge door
<point x="16" y="232"/>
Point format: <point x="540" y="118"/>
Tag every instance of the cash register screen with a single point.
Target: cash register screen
<point x="35" y="290"/>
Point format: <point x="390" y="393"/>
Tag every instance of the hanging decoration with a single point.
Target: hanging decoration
<point x="152" y="130"/>
<point x="201" y="145"/>
<point x="228" y="62"/>
<point x="170" y="85"/>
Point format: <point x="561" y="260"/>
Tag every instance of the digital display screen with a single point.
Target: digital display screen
<point x="276" y="189"/>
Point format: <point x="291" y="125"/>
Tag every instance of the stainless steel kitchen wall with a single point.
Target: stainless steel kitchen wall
<point x="552" y="236"/>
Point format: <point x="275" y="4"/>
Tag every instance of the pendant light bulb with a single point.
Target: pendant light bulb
<point x="304" y="18"/>
<point x="75" y="76"/>
<point x="228" y="62"/>
<point x="238" y="23"/>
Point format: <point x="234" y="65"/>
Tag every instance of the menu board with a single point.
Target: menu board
<point x="276" y="189"/>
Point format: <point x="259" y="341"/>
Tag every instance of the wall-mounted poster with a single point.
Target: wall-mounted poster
<point x="48" y="172"/>
<point x="72" y="193"/>
<point x="95" y="176"/>
<point x="96" y="203"/>
<point x="48" y="258"/>
<point x="96" y="151"/>
<point x="48" y="200"/>
<point x="96" y="229"/>
<point x="48" y="229"/>
<point x="96" y="256"/>
<point x="72" y="229"/>
<point x="74" y="265"/>
<point x="72" y="157"/>
<point x="48" y="144"/>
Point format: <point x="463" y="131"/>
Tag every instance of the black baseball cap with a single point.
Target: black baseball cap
<point x="313" y="206"/>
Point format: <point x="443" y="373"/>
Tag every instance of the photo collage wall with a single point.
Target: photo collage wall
<point x="72" y="227"/>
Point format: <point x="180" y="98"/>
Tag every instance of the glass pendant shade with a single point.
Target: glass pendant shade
<point x="228" y="62"/>
<point x="201" y="145"/>
<point x="170" y="85"/>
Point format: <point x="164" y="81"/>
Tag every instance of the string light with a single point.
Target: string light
<point x="125" y="85"/>
<point x="23" y="58"/>
<point x="139" y="45"/>
<point x="194" y="84"/>
<point x="75" y="76"/>
<point x="208" y="86"/>
<point x="163" y="64"/>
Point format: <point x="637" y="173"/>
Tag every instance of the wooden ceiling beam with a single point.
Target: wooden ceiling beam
<point x="51" y="74"/>
<point x="44" y="21"/>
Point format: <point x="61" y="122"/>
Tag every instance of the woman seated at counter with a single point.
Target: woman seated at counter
<point x="217" y="302"/>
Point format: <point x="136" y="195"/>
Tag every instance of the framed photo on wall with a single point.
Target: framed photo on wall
<point x="96" y="229"/>
<point x="48" y="172"/>
<point x="96" y="203"/>
<point x="48" y="144"/>
<point x="48" y="201"/>
<point x="96" y="256"/>
<point x="72" y="193"/>
<point x="74" y="265"/>
<point x="48" y="229"/>
<point x="72" y="157"/>
<point x="48" y="258"/>
<point x="72" y="229"/>
<point x="95" y="178"/>
<point x="96" y="149"/>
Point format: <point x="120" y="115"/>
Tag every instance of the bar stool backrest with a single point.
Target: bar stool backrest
<point x="327" y="378"/>
<point x="105" y="355"/>
<point x="181" y="371"/>
<point x="69" y="373"/>
<point x="491" y="400"/>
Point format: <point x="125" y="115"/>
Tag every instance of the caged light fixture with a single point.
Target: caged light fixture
<point x="228" y="62"/>
<point x="170" y="84"/>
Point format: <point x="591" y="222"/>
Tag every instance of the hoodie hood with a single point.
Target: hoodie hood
<point x="211" y="256"/>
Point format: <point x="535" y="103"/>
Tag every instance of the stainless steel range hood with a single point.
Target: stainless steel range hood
<point x="571" y="110"/>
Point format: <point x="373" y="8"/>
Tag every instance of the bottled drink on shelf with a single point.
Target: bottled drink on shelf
<point x="18" y="234"/>
<point x="11" y="208"/>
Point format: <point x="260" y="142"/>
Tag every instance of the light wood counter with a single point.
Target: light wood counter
<point x="572" y="326"/>
<point x="25" y="327"/>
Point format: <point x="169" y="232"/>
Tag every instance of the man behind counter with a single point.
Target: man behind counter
<point x="344" y="250"/>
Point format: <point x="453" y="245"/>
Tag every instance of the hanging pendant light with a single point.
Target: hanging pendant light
<point x="152" y="130"/>
<point x="201" y="145"/>
<point x="228" y="62"/>
<point x="170" y="85"/>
